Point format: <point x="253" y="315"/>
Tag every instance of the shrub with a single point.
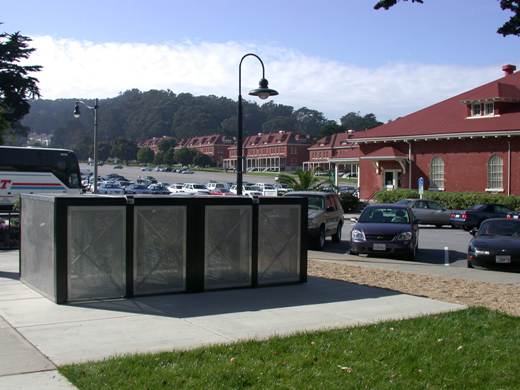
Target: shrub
<point x="348" y="201"/>
<point x="451" y="200"/>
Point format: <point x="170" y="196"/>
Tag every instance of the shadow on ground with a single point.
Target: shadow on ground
<point x="315" y="291"/>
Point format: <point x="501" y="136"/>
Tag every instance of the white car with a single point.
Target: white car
<point x="194" y="188"/>
<point x="176" y="188"/>
<point x="267" y="189"/>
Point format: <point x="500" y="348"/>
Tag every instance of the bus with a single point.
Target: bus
<point x="36" y="171"/>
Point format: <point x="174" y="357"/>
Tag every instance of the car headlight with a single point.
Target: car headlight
<point x="404" y="236"/>
<point x="358" y="235"/>
<point x="478" y="252"/>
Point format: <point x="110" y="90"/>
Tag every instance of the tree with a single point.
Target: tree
<point x="304" y="180"/>
<point x="103" y="150"/>
<point x="166" y="143"/>
<point x="185" y="156"/>
<point x="145" y="155"/>
<point x="124" y="149"/>
<point x="356" y="122"/>
<point x="309" y="121"/>
<point x="158" y="158"/>
<point x="331" y="127"/>
<point x="169" y="157"/>
<point x="279" y="123"/>
<point x="203" y="160"/>
<point x="511" y="27"/>
<point x="16" y="84"/>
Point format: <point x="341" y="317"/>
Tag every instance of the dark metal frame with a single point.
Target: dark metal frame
<point x="195" y="232"/>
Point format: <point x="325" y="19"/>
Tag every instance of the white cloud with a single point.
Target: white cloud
<point x="84" y="69"/>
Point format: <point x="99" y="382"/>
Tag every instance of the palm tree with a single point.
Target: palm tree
<point x="304" y="181"/>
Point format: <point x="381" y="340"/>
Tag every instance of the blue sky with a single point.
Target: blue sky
<point x="336" y="56"/>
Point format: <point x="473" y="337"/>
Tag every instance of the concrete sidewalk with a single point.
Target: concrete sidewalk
<point x="64" y="334"/>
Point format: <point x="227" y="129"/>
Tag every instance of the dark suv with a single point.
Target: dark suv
<point x="325" y="216"/>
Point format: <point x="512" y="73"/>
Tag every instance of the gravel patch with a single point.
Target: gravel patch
<point x="502" y="297"/>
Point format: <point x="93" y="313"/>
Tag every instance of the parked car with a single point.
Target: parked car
<point x="495" y="244"/>
<point x="428" y="212"/>
<point x="250" y="190"/>
<point x="137" y="189"/>
<point x="213" y="186"/>
<point x="348" y="175"/>
<point x="158" y="189"/>
<point x="146" y="169"/>
<point x="267" y="189"/>
<point x="325" y="216"/>
<point x="176" y="188"/>
<point x="473" y="217"/>
<point x="110" y="188"/>
<point x="386" y="229"/>
<point x="195" y="188"/>
<point x="513" y="215"/>
<point x="221" y="192"/>
<point x="344" y="189"/>
<point x="186" y="172"/>
<point x="118" y="167"/>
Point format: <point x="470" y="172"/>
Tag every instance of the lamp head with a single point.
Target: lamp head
<point x="263" y="91"/>
<point x="76" y="110"/>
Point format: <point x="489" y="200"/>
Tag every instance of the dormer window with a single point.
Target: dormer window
<point x="489" y="108"/>
<point x="475" y="109"/>
<point x="482" y="109"/>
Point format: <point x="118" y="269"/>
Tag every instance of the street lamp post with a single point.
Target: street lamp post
<point x="77" y="115"/>
<point x="263" y="92"/>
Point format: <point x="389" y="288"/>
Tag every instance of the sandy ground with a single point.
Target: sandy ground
<point x="502" y="297"/>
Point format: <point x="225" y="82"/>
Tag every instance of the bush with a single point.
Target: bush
<point x="348" y="201"/>
<point x="451" y="200"/>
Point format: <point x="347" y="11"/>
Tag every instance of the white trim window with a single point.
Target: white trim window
<point x="495" y="176"/>
<point x="437" y="174"/>
<point x="489" y="109"/>
<point x="476" y="109"/>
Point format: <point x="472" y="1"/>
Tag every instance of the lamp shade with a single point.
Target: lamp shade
<point x="263" y="91"/>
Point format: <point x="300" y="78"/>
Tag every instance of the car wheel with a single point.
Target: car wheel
<point x="469" y="264"/>
<point x="353" y="253"/>
<point x="337" y="236"/>
<point x="320" y="240"/>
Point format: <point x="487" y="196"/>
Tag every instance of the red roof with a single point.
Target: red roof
<point x="450" y="116"/>
<point x="203" y="140"/>
<point x="270" y="139"/>
<point x="385" y="151"/>
<point x="333" y="141"/>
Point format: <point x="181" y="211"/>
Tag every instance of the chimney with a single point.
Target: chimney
<point x="508" y="69"/>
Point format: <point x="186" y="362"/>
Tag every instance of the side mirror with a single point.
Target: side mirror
<point x="473" y="231"/>
<point x="353" y="219"/>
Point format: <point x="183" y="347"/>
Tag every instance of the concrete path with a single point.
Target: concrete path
<point x="92" y="331"/>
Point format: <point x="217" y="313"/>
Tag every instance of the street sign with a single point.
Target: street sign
<point x="420" y="185"/>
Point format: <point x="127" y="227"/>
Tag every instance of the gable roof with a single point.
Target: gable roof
<point x="451" y="115"/>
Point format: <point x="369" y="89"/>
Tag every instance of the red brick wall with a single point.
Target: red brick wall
<point x="465" y="164"/>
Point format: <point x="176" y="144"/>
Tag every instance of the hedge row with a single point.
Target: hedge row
<point x="450" y="200"/>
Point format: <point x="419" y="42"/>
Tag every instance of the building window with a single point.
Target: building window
<point x="495" y="173"/>
<point x="489" y="109"/>
<point x="475" y="109"/>
<point x="437" y="174"/>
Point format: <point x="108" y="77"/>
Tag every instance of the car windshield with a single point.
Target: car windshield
<point x="478" y="207"/>
<point x="404" y="202"/>
<point x="314" y="202"/>
<point x="384" y="215"/>
<point x="500" y="228"/>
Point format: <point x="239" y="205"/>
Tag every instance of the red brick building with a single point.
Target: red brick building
<point x="334" y="152"/>
<point x="214" y="145"/>
<point x="280" y="151"/>
<point x="470" y="142"/>
<point x="152" y="143"/>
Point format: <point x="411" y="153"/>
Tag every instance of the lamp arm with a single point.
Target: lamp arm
<point x="86" y="105"/>
<point x="240" y="70"/>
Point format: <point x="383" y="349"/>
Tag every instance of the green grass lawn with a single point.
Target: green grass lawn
<point x="469" y="349"/>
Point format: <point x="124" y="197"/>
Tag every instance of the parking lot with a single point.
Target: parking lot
<point x="202" y="177"/>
